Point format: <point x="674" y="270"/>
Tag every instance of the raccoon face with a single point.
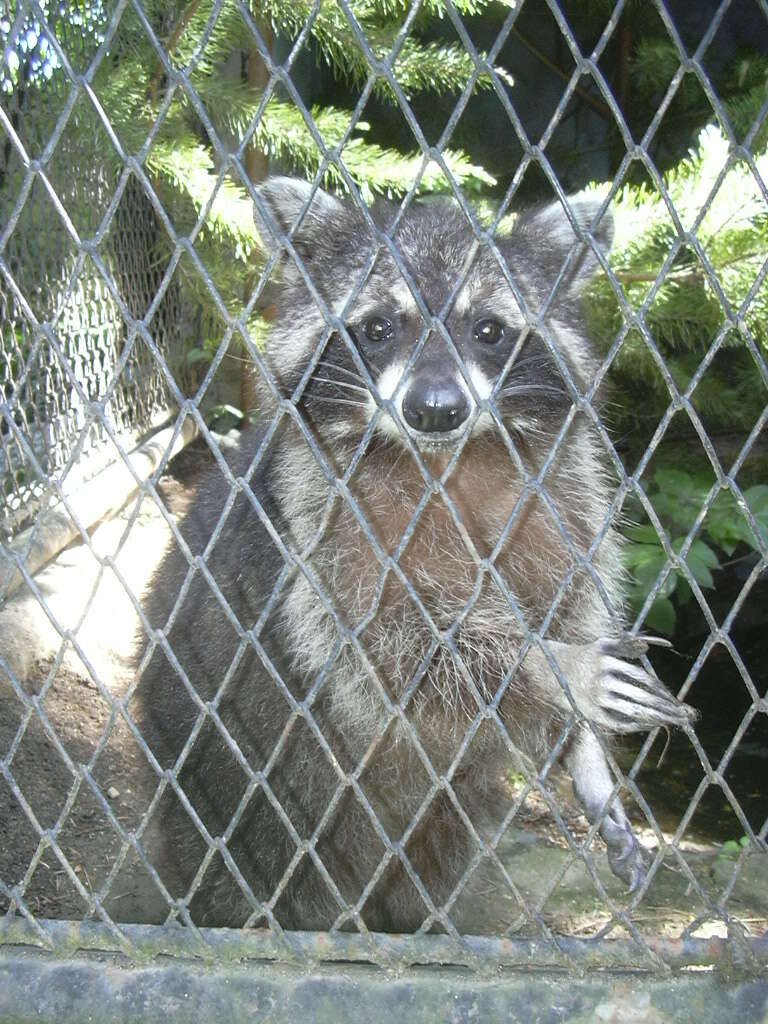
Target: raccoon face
<point x="438" y="381"/>
<point x="406" y="353"/>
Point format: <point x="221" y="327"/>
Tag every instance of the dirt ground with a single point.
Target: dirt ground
<point x="81" y="773"/>
<point x="75" y="785"/>
<point x="77" y="781"/>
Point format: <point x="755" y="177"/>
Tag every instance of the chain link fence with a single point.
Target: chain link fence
<point x="116" y="315"/>
<point x="64" y="385"/>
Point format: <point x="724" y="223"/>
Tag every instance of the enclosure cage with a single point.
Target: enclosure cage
<point x="136" y="301"/>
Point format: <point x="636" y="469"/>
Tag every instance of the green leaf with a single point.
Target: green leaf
<point x="683" y="592"/>
<point x="676" y="481"/>
<point x="699" y="550"/>
<point x="661" y="616"/>
<point x="642" y="534"/>
<point x="701" y="559"/>
<point x="673" y="510"/>
<point x="732" y="847"/>
<point x="645" y="563"/>
<point x="644" y="559"/>
<point x="703" y="553"/>
<point x="196" y="355"/>
<point x="701" y="574"/>
<point x="725" y="522"/>
<point x="757" y="499"/>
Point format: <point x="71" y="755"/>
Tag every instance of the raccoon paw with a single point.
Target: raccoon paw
<point x="594" y="786"/>
<point x="631" y="699"/>
<point x="628" y="860"/>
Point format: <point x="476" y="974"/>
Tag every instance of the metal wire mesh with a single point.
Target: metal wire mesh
<point x="50" y="428"/>
<point x="91" y="326"/>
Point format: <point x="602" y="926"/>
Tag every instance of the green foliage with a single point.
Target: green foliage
<point x="418" y="65"/>
<point x="748" y="82"/>
<point x="716" y="293"/>
<point x="678" y="498"/>
<point x="732" y="848"/>
<point x="162" y="120"/>
<point x="741" y="90"/>
<point x="283" y="134"/>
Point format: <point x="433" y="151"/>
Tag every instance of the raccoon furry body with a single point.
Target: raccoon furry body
<point x="304" y="683"/>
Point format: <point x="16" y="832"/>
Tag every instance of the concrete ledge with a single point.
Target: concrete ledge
<point x="32" y="989"/>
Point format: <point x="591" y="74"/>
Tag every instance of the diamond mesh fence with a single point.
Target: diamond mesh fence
<point x="53" y="383"/>
<point x="320" y="683"/>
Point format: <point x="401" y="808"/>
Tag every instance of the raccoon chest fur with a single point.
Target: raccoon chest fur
<point x="441" y="613"/>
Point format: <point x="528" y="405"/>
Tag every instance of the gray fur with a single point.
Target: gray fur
<point x="332" y="738"/>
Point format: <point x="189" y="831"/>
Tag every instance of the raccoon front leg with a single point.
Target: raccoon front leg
<point x="615" y="696"/>
<point x="593" y="785"/>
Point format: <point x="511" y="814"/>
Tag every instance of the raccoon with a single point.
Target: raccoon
<point x="398" y="584"/>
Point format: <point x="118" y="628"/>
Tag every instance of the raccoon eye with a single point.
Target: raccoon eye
<point x="378" y="329"/>
<point x="488" y="331"/>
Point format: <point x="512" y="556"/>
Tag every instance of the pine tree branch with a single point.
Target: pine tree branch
<point x="601" y="107"/>
<point x="418" y="66"/>
<point x="173" y="39"/>
<point x="694" y="274"/>
<point x="182" y="23"/>
<point x="188" y="168"/>
<point x="227" y="35"/>
<point x="434" y="8"/>
<point x="284" y="136"/>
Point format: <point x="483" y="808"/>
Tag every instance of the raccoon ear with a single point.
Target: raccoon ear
<point x="552" y="227"/>
<point x="294" y="207"/>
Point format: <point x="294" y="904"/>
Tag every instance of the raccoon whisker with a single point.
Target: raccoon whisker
<point x="343" y="369"/>
<point x="399" y="457"/>
<point x="522" y="389"/>
<point x="342" y="384"/>
<point x="333" y="401"/>
<point x="523" y="431"/>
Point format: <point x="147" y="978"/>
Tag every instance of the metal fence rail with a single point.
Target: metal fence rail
<point x="96" y="327"/>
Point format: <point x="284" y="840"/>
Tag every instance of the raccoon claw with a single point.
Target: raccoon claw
<point x="631" y="699"/>
<point x="628" y="860"/>
<point x="631" y="646"/>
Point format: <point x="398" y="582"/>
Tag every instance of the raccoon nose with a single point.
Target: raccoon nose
<point x="435" y="407"/>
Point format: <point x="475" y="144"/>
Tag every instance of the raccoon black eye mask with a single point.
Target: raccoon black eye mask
<point x="412" y="586"/>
